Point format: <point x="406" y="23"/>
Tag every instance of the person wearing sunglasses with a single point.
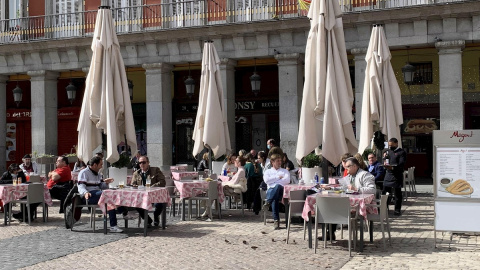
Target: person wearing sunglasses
<point x="157" y="178"/>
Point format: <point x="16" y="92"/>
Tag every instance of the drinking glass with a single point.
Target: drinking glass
<point x="200" y="177"/>
<point x="148" y="182"/>
<point x="121" y="184"/>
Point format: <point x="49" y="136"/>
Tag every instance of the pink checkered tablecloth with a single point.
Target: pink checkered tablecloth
<point x="139" y="198"/>
<point x="10" y="192"/>
<point x="184" y="175"/>
<point x="185" y="188"/>
<point x="361" y="200"/>
<point x="292" y="187"/>
<point x="179" y="168"/>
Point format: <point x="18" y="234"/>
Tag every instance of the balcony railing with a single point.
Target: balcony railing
<point x="179" y="14"/>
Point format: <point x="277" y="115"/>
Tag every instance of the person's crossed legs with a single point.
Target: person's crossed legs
<point x="273" y="198"/>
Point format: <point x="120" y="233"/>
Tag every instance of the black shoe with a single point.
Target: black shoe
<point x="149" y="225"/>
<point x="156" y="221"/>
<point x="18" y="216"/>
<point x="266" y="206"/>
<point x="397" y="213"/>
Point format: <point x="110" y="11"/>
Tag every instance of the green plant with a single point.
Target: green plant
<point x="71" y="155"/>
<point x="122" y="162"/>
<point x="367" y="152"/>
<point x="45" y="155"/>
<point x="312" y="160"/>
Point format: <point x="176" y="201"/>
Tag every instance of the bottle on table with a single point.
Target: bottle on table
<point x="322" y="180"/>
<point x="316" y="178"/>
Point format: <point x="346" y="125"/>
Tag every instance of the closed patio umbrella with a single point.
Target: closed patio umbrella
<point x="382" y="99"/>
<point x="326" y="113"/>
<point x="211" y="128"/>
<point x="106" y="103"/>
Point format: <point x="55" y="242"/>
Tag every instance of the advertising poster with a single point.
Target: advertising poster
<point x="458" y="172"/>
<point x="11" y="144"/>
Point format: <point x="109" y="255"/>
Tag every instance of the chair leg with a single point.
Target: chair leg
<point x="331" y="233"/>
<point x="29" y="210"/>
<point x="93" y="210"/>
<point x="341" y="231"/>
<point x="304" y="227"/>
<point x="316" y="237"/>
<point x="243" y="208"/>
<point x="388" y="230"/>
<point x="289" y="222"/>
<point x="383" y="235"/>
<point x="349" y="240"/>
<point x="10" y="213"/>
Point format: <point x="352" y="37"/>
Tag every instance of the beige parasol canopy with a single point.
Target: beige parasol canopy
<point x="326" y="114"/>
<point x="106" y="103"/>
<point x="211" y="128"/>
<point x="382" y="99"/>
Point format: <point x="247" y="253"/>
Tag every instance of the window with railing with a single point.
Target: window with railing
<point x="423" y="73"/>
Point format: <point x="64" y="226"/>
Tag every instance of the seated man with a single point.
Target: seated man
<point x="157" y="180"/>
<point x="28" y="166"/>
<point x="90" y="186"/>
<point x="376" y="169"/>
<point x="60" y="180"/>
<point x="275" y="178"/>
<point x="360" y="180"/>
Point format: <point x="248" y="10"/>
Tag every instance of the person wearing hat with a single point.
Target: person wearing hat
<point x="28" y="166"/>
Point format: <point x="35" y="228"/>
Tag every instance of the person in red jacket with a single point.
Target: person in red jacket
<point x="60" y="180"/>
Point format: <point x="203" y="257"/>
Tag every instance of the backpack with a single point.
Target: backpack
<point x="71" y="215"/>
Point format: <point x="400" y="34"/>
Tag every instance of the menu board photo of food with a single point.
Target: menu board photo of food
<point x="457" y="172"/>
<point x="11" y="146"/>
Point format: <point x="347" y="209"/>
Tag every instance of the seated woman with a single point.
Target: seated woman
<point x="203" y="164"/>
<point x="14" y="171"/>
<point x="230" y="164"/>
<point x="79" y="165"/>
<point x="238" y="184"/>
<point x="287" y="163"/>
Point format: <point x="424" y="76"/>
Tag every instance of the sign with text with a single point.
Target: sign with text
<point x="248" y="105"/>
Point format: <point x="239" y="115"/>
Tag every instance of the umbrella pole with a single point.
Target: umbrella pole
<point x="210" y="160"/>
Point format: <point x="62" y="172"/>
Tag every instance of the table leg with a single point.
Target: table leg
<point x="164" y="216"/>
<point x="183" y="209"/>
<point x="361" y="234"/>
<point x="5" y="207"/>
<point x="105" y="220"/>
<point x="145" y="222"/>
<point x="173" y="205"/>
<point x="309" y="230"/>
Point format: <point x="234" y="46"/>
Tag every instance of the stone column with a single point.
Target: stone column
<point x="227" y="72"/>
<point x="3" y="122"/>
<point x="360" y="66"/>
<point x="159" y="113"/>
<point x="290" y="76"/>
<point x="451" y="93"/>
<point x="44" y="111"/>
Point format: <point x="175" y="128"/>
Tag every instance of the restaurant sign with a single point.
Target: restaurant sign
<point x="254" y="105"/>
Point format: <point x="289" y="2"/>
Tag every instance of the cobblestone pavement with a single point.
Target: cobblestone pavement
<point x="232" y="243"/>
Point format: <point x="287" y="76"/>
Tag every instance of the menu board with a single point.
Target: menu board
<point x="458" y="172"/>
<point x="11" y="143"/>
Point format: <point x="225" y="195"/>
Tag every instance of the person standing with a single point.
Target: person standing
<point x="60" y="180"/>
<point x="157" y="180"/>
<point x="275" y="178"/>
<point x="394" y="173"/>
<point x="376" y="169"/>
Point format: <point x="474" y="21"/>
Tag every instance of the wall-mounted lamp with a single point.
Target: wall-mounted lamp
<point x="17" y="94"/>
<point x="190" y="83"/>
<point x="255" y="79"/>
<point x="71" y="90"/>
<point x="408" y="70"/>
<point x="130" y="89"/>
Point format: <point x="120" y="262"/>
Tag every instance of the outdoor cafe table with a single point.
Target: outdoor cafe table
<point x="185" y="188"/>
<point x="138" y="198"/>
<point x="179" y="175"/>
<point x="9" y="192"/>
<point x="361" y="200"/>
